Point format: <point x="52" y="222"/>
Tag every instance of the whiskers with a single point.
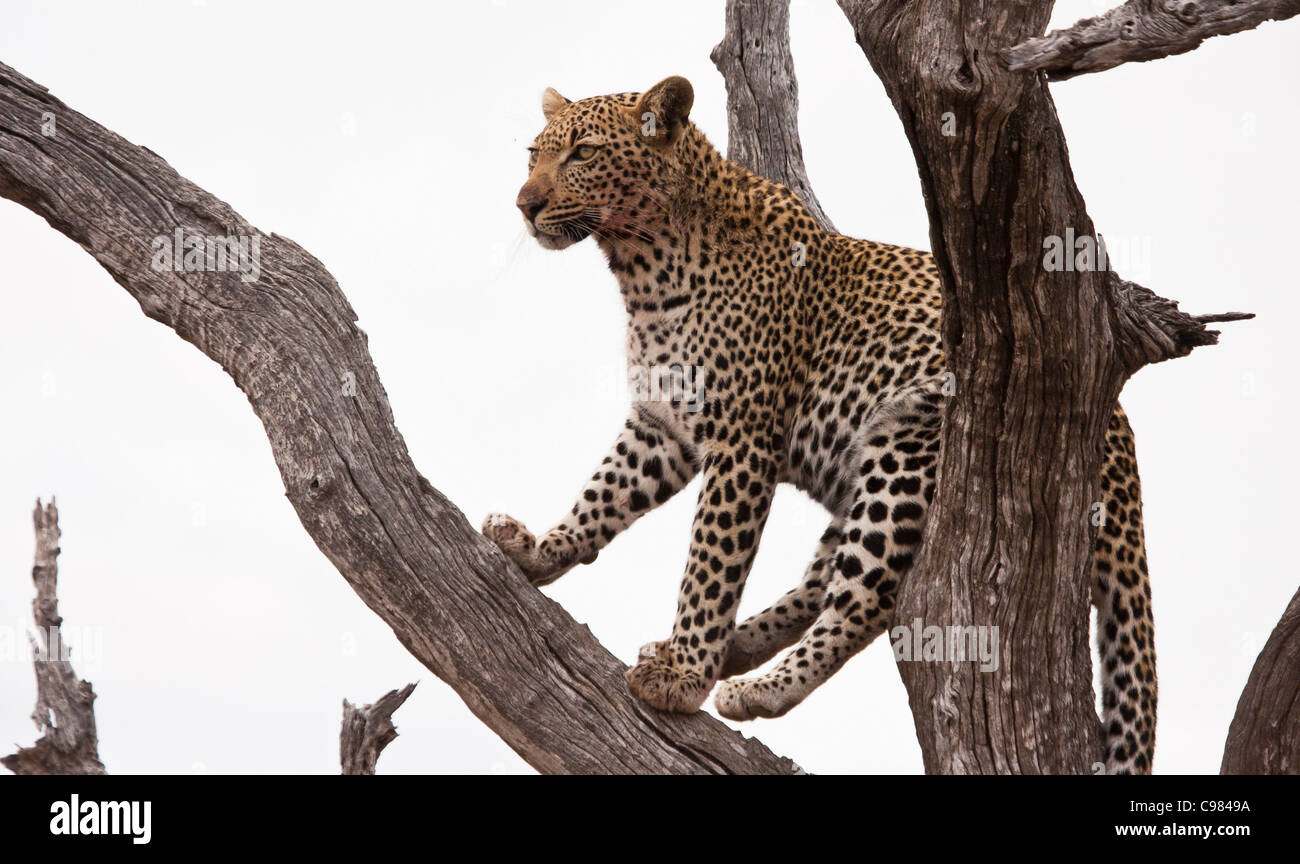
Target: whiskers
<point x="625" y="230"/>
<point x="654" y="196"/>
<point x="625" y="224"/>
<point x="509" y="253"/>
<point x="521" y="237"/>
<point x="575" y="229"/>
<point x="617" y="230"/>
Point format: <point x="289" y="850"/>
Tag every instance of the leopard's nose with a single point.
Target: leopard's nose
<point x="530" y="203"/>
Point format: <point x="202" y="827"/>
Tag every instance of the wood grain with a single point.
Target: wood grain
<point x="1140" y="30"/>
<point x="1038" y="357"/>
<point x="1264" y="737"/>
<point x="763" y="97"/>
<point x="65" y="705"/>
<point x="367" y="730"/>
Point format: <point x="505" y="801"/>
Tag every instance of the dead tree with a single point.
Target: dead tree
<point x="1039" y="359"/>
<point x="368" y="730"/>
<point x="65" y="705"/>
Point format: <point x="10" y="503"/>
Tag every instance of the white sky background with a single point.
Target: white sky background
<point x="388" y="140"/>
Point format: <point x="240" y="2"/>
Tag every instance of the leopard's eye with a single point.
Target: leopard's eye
<point x="583" y="153"/>
<point x="532" y="157"/>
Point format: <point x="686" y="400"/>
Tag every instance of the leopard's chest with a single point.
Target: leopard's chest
<point x="666" y="373"/>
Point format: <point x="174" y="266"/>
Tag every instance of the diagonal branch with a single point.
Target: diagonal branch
<point x="763" y="97"/>
<point x="1141" y="30"/>
<point x="65" y="705"/>
<point x="368" y="730"/>
<point x="282" y="329"/>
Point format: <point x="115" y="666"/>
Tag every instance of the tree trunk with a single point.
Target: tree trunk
<point x="1038" y="360"/>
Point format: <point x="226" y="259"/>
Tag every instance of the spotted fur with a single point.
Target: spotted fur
<point x="822" y="367"/>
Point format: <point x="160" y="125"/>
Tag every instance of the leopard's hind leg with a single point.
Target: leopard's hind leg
<point x="780" y="625"/>
<point x="880" y="533"/>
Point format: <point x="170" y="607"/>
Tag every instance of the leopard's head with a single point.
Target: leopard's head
<point x="601" y="164"/>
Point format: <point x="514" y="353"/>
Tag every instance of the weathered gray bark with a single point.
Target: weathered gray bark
<point x="763" y="96"/>
<point x="1264" y="737"/>
<point x="1141" y="30"/>
<point x="348" y="475"/>
<point x="289" y="340"/>
<point x="65" y="705"/>
<point x="367" y="730"/>
<point x="1039" y="359"/>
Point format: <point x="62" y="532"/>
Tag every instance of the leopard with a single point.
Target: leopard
<point x="819" y="363"/>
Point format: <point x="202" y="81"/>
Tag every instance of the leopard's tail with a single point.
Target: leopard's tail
<point x="1122" y="595"/>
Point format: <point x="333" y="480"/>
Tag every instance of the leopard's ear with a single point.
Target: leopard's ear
<point x="662" y="110"/>
<point x="552" y="102"/>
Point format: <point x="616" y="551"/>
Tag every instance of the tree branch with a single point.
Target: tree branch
<point x="763" y="97"/>
<point x="1141" y="30"/>
<point x="65" y="705"/>
<point x="1154" y="329"/>
<point x="1264" y="737"/>
<point x="368" y="730"/>
<point x="288" y="338"/>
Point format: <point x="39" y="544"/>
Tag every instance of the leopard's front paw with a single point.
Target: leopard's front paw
<point x="542" y="562"/>
<point x="659" y="681"/>
<point x="749" y="698"/>
<point x="520" y="546"/>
